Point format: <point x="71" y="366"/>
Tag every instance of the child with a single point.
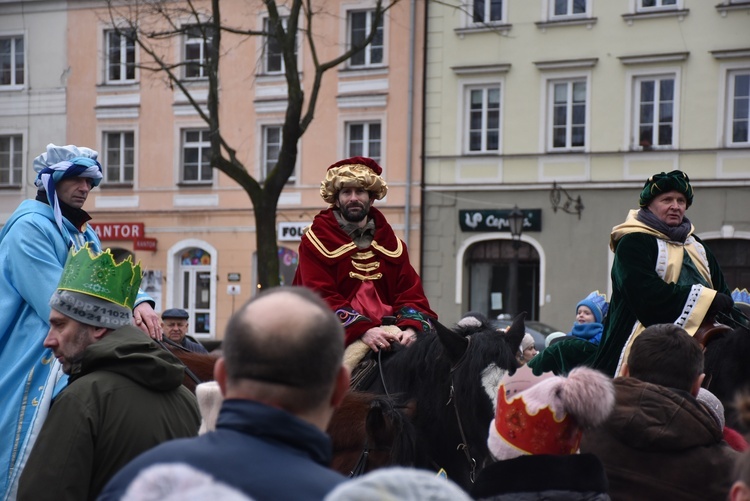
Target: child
<point x="590" y="313"/>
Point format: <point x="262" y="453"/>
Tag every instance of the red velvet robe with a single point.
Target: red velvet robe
<point x="362" y="286"/>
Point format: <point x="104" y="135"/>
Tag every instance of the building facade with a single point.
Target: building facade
<point x="191" y="226"/>
<point x="563" y="109"/>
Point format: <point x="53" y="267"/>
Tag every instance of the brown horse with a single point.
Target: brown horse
<point x="367" y="430"/>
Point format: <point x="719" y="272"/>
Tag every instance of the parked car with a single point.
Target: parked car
<point x="538" y="330"/>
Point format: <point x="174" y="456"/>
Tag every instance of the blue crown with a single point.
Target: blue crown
<point x="741" y="296"/>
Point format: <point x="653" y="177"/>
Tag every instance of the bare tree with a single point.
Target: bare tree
<point x="151" y="23"/>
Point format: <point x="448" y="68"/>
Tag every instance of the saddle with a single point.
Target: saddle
<point x="363" y="363"/>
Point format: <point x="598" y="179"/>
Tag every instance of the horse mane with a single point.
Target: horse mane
<point x="200" y="364"/>
<point x="728" y="375"/>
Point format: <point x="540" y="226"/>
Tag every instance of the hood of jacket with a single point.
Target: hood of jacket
<point x="650" y="417"/>
<point x="131" y="353"/>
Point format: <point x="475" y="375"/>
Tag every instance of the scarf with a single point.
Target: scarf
<point x="675" y="233"/>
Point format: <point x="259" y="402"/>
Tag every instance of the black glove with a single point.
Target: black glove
<point x="721" y="304"/>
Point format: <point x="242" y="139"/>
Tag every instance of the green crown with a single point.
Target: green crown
<point x="98" y="275"/>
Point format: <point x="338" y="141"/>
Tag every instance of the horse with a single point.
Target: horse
<point x="367" y="431"/>
<point x="726" y="351"/>
<point x="453" y="376"/>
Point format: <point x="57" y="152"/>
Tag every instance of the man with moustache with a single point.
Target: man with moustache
<point x="353" y="259"/>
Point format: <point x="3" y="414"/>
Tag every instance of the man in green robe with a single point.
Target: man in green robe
<point x="662" y="273"/>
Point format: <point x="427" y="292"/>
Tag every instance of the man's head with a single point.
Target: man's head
<point x="67" y="174"/>
<point x="285" y="348"/>
<point x="94" y="296"/>
<point x="174" y="323"/>
<point x="357" y="173"/>
<point x="668" y="196"/>
<point x="667" y="355"/>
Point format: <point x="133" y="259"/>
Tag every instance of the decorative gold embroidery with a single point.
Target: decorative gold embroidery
<point x="362" y="256"/>
<point x="366" y="267"/>
<point x="395" y="253"/>
<point x="365" y="278"/>
<point x="329" y="254"/>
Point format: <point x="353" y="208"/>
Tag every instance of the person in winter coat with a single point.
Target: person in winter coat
<point x="660" y="442"/>
<point x="537" y="428"/>
<point x="124" y="393"/>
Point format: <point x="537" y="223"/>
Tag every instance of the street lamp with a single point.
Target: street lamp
<point x="515" y="222"/>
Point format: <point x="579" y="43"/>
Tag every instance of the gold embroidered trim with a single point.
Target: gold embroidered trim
<point x="362" y="256"/>
<point x="365" y="278"/>
<point x="366" y="267"/>
<point x="329" y="254"/>
<point x="395" y="253"/>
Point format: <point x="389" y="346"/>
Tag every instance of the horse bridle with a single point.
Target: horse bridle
<point x="189" y="373"/>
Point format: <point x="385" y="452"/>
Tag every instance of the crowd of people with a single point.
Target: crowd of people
<point x="95" y="409"/>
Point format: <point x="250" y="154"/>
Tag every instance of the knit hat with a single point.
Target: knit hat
<point x="551" y="338"/>
<point x="598" y="305"/>
<point x="95" y="290"/>
<point x="61" y="162"/>
<point x="712" y="404"/>
<point x="662" y="183"/>
<point x="405" y="484"/>
<point x="549" y="417"/>
<point x="179" y="482"/>
<point x="526" y="343"/>
<point x="356" y="171"/>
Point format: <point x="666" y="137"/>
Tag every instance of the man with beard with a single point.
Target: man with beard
<point x="351" y="256"/>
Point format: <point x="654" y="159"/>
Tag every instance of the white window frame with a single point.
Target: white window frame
<point x="549" y="83"/>
<point x="485" y="87"/>
<point x="486" y="19"/>
<point x="656" y="119"/>
<point x="203" y="144"/>
<point x="124" y="62"/>
<point x="569" y="14"/>
<point x="660" y="6"/>
<point x="14" y="171"/>
<point x="14" y="68"/>
<point x="366" y="141"/>
<point x="266" y="45"/>
<point x="729" y="106"/>
<point x="122" y="178"/>
<point x="367" y="51"/>
<point x="632" y="106"/>
<point x="265" y="159"/>
<point x="187" y="39"/>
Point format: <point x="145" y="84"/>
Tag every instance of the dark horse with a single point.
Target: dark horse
<point x="367" y="430"/>
<point x="453" y="377"/>
<point x="727" y="351"/>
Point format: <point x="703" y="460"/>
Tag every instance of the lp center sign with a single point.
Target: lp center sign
<point x="497" y="220"/>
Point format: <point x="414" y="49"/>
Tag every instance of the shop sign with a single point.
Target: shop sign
<point x="145" y="243"/>
<point x="118" y="231"/>
<point x="291" y="232"/>
<point x="497" y="220"/>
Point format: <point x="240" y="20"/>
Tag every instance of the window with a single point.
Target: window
<point x="655" y="101"/>
<point x="363" y="139"/>
<point x="273" y="58"/>
<point x="120" y="56"/>
<point x="567" y="126"/>
<point x="483" y="120"/>
<point x="271" y="149"/>
<point x="119" y="157"/>
<point x="360" y="25"/>
<point x="196" y="157"/>
<point x="647" y="5"/>
<point x="196" y="52"/>
<point x="567" y="8"/>
<point x="739" y="108"/>
<point x="487" y="11"/>
<point x="11" y="61"/>
<point x="11" y="160"/>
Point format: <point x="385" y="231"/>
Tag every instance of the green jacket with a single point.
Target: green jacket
<point x="124" y="398"/>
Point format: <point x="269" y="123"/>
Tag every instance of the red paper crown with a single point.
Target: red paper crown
<point x="535" y="433"/>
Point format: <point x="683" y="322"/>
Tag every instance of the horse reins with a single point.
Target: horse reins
<point x="464" y="445"/>
<point x="189" y="373"/>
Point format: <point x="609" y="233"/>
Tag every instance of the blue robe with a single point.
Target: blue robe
<point x="32" y="255"/>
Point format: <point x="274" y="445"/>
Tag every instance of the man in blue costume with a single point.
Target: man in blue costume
<point x="34" y="245"/>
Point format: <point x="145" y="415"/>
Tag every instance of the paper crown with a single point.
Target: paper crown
<point x="360" y="171"/>
<point x="99" y="276"/>
<point x="741" y="296"/>
<point x="597" y="303"/>
<point x="549" y="416"/>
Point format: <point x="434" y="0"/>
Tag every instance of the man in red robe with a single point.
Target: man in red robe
<point x="351" y="256"/>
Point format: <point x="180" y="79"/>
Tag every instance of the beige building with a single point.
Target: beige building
<point x="564" y="109"/>
<point x="191" y="226"/>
